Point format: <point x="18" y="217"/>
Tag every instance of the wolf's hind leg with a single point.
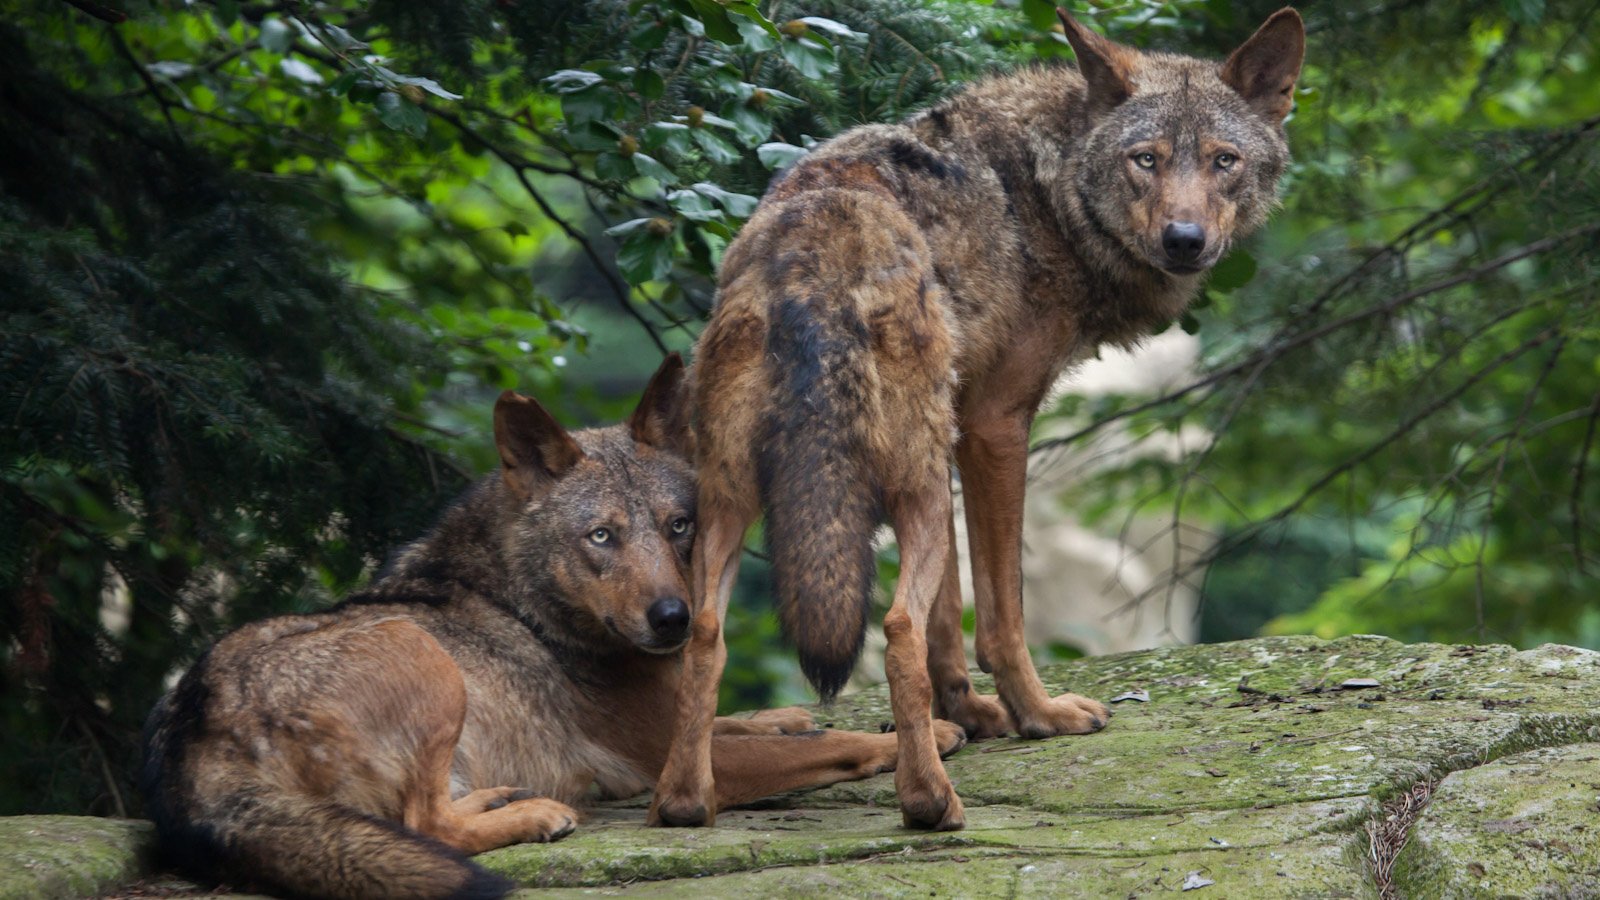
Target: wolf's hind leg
<point x="920" y="517"/>
<point x="484" y="819"/>
<point x="954" y="699"/>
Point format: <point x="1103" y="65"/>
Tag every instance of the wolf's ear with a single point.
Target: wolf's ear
<point x="534" y="448"/>
<point x="1106" y="65"/>
<point x="1264" y="69"/>
<point x="662" y="417"/>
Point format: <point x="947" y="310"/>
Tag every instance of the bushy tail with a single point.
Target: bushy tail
<point x="312" y="849"/>
<point x="821" y="498"/>
<point x="293" y="843"/>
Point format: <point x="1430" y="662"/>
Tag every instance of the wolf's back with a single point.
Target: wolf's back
<point x="820" y="495"/>
<point x="243" y="831"/>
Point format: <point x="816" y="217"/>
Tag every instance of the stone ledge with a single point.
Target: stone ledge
<point x="1254" y="764"/>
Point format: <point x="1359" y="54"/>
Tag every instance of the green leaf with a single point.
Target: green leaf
<point x="1041" y="13"/>
<point x="832" y="28"/>
<point x="568" y="80"/>
<point x="586" y="105"/>
<point x="645" y="256"/>
<point x="649" y="85"/>
<point x="777" y="155"/>
<point x="628" y="227"/>
<point x="1235" y="271"/>
<point x="672" y="135"/>
<point x="693" y="206"/>
<point x="715" y="19"/>
<point x="650" y="167"/>
<point x="592" y="136"/>
<point x="809" y="58"/>
<point x="1189" y="323"/>
<point x="740" y="206"/>
<point x="613" y="167"/>
<point x="756" y="38"/>
<point x="751" y="124"/>
<point x="716" y="147"/>
<point x="276" y="36"/>
<point x="341" y="86"/>
<point x="648" y="36"/>
<point x="395" y="112"/>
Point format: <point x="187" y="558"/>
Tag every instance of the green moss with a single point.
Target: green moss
<point x="69" y="856"/>
<point x="1522" y="826"/>
<point x="1239" y="785"/>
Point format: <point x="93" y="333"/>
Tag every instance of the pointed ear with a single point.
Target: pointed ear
<point x="534" y="449"/>
<point x="661" y="419"/>
<point x="1106" y="65"/>
<point x="1264" y="69"/>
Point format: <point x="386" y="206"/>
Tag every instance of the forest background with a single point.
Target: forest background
<point x="264" y="266"/>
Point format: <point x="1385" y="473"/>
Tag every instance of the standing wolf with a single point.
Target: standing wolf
<point x="907" y="293"/>
<point x="531" y="639"/>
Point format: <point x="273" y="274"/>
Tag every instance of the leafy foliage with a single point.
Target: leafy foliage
<point x="262" y="266"/>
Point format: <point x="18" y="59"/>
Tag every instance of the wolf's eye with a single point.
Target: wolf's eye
<point x="1226" y="160"/>
<point x="1145" y="160"/>
<point x="680" y="525"/>
<point x="600" y="536"/>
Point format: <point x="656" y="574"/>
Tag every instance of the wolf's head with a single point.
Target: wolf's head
<point x="604" y="517"/>
<point x="1181" y="155"/>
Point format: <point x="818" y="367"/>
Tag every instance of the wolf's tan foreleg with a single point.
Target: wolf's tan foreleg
<point x="685" y="793"/>
<point x="788" y="720"/>
<point x="750" y="767"/>
<point x="927" y="800"/>
<point x="953" y="697"/>
<point x="993" y="456"/>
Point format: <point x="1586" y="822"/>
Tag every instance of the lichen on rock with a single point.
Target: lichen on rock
<point x="1255" y="765"/>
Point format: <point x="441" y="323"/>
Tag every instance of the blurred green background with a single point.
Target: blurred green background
<point x="263" y="267"/>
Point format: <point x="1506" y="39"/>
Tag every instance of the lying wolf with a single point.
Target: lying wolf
<point x="903" y="298"/>
<point x="523" y="652"/>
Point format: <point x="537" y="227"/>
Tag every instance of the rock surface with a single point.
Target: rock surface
<point x="1254" y="770"/>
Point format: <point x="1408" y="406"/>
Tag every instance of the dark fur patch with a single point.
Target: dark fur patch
<point x="819" y="527"/>
<point x="918" y="159"/>
<point x="177" y="721"/>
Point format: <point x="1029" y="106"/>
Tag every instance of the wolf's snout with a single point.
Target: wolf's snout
<point x="1184" y="242"/>
<point x="669" y="618"/>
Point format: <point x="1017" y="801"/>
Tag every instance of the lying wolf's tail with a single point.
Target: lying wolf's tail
<point x="244" y="834"/>
<point x="821" y="498"/>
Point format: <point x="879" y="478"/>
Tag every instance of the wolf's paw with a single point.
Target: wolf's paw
<point x="980" y="715"/>
<point x="788" y="720"/>
<point x="948" y="737"/>
<point x="541" y="820"/>
<point x="668" y="812"/>
<point x="485" y="799"/>
<point x="1066" y="714"/>
<point x="932" y="806"/>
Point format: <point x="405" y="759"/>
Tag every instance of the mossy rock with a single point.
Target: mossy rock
<point x="1251" y="771"/>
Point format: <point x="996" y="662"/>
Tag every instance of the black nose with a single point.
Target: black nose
<point x="669" y="618"/>
<point x="1183" y="241"/>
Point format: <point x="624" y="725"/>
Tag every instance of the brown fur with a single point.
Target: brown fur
<point x="902" y="299"/>
<point x="506" y="666"/>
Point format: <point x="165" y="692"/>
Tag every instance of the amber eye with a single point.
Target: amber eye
<point x="601" y="536"/>
<point x="1226" y="160"/>
<point x="1145" y="160"/>
<point x="680" y="525"/>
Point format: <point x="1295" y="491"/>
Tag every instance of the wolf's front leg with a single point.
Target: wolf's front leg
<point x="750" y="767"/>
<point x="788" y="720"/>
<point x="993" y="456"/>
<point x="685" y="793"/>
